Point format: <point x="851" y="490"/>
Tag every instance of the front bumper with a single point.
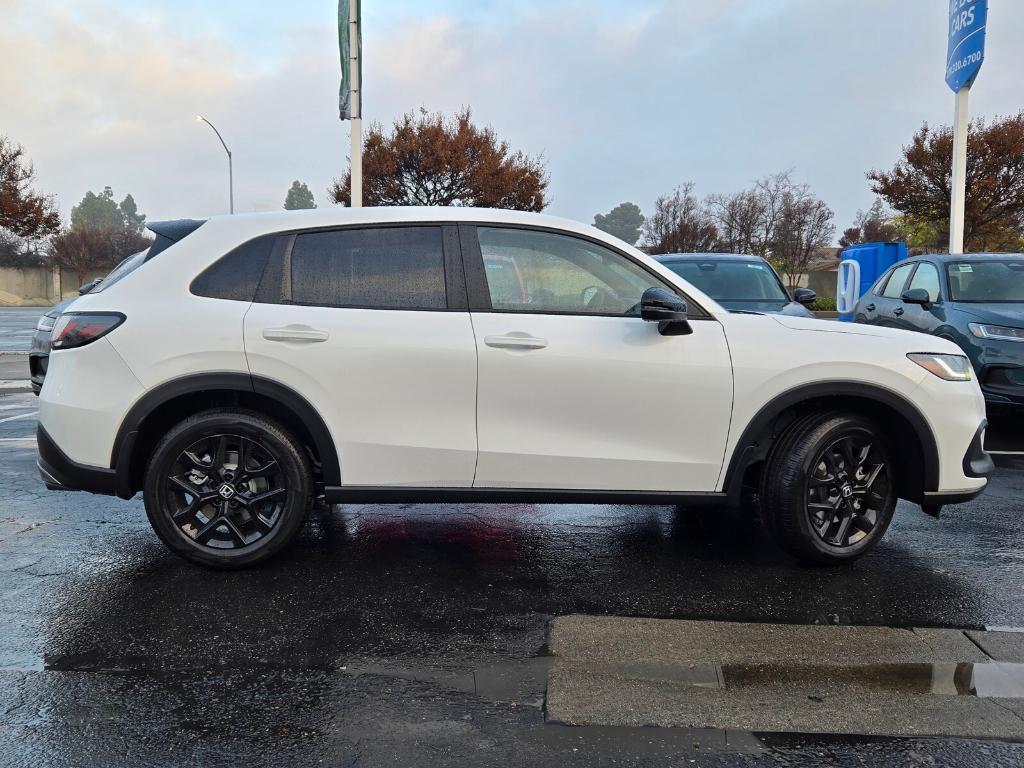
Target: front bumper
<point x="977" y="463"/>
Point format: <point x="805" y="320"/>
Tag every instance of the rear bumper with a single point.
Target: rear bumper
<point x="59" y="473"/>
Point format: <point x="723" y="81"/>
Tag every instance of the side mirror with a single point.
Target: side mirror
<point x="917" y="296"/>
<point x="804" y="296"/>
<point x="661" y="306"/>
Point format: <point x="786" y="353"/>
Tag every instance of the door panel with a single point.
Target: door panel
<point x="608" y="403"/>
<point x="370" y="325"/>
<point x="396" y="388"/>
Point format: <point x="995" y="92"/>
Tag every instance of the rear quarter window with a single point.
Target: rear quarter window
<point x="237" y="274"/>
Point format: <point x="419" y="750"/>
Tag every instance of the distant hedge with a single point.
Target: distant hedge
<point x="824" y="304"/>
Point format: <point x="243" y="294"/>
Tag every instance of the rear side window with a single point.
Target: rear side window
<point x="382" y="268"/>
<point x="236" y="275"/>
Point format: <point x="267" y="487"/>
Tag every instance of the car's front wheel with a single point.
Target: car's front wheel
<point x="227" y="488"/>
<point x="828" y="488"/>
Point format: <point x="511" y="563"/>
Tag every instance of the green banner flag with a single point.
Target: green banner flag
<point x="345" y="8"/>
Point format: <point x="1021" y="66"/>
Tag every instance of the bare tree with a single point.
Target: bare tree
<point x="804" y="225"/>
<point x="681" y="223"/>
<point x="738" y="218"/>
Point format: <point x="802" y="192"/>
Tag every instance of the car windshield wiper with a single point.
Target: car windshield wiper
<point x="745" y="312"/>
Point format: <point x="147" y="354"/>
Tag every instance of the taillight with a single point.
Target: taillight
<point x="76" y="329"/>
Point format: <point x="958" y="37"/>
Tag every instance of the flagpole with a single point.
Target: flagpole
<point x="357" y="106"/>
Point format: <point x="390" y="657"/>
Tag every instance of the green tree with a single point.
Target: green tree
<point x="133" y="220"/>
<point x="299" y="197"/>
<point x="624" y="221"/>
<point x="874" y="226"/>
<point x="97" y="211"/>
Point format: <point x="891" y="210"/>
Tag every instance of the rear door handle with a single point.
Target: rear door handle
<point x="898" y="311"/>
<point x="302" y="334"/>
<point x="870" y="307"/>
<point x="515" y="341"/>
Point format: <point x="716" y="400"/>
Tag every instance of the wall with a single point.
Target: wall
<point x="36" y="286"/>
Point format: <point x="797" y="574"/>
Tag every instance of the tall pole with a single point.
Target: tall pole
<point x="231" y="169"/>
<point x="961" y="124"/>
<point x="357" y="106"/>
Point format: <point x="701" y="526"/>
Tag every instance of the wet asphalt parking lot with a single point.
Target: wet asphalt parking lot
<point x="397" y="635"/>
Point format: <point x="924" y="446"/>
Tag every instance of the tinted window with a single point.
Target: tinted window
<point x="927" y="277"/>
<point x="237" y="274"/>
<point x="386" y="268"/>
<point x="122" y="270"/>
<point x="897" y="280"/>
<point x="983" y="281"/>
<point x="731" y="280"/>
<point x="530" y="271"/>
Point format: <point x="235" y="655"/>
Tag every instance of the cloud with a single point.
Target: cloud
<point x="623" y="105"/>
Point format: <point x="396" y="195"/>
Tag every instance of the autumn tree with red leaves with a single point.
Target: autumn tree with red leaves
<point x="919" y="186"/>
<point x="26" y="217"/>
<point x="428" y="159"/>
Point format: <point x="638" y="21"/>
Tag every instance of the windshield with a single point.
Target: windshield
<point x="732" y="280"/>
<point x="986" y="281"/>
<point x="126" y="267"/>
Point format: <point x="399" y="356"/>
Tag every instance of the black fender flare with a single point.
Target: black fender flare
<point x="745" y="452"/>
<point x="291" y="400"/>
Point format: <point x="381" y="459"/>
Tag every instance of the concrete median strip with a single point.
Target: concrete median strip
<point x="782" y="678"/>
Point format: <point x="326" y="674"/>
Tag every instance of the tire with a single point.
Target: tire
<point x="208" y="511"/>
<point x="815" y="507"/>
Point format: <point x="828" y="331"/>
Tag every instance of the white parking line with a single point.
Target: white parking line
<point x="22" y="416"/>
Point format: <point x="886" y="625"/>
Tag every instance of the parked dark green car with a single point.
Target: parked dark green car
<point x="975" y="300"/>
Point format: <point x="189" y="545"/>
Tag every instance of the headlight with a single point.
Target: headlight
<point x="998" y="332"/>
<point x="948" y="367"/>
<point x="46" y="322"/>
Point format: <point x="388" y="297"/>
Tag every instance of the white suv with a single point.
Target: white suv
<point x="249" y="365"/>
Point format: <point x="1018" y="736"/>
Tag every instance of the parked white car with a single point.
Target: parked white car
<point x="250" y="364"/>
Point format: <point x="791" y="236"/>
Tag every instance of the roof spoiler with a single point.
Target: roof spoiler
<point x="169" y="232"/>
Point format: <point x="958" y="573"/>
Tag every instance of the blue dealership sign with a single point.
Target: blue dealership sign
<point x="966" y="51"/>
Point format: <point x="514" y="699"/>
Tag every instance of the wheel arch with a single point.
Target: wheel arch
<point x="172" y="401"/>
<point x="914" y="444"/>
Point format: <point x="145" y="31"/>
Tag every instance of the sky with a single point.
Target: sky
<point x="624" y="100"/>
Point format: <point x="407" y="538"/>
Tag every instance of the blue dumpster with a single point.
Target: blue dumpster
<point x="860" y="266"/>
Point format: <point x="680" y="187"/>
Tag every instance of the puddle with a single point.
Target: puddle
<point x="984" y="680"/>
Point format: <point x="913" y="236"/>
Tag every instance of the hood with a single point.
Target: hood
<point x="850" y="329"/>
<point x="778" y="306"/>
<point x="1006" y="313"/>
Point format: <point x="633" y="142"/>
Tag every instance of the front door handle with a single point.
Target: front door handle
<point x="302" y="334"/>
<point x="898" y="311"/>
<point x="515" y="341"/>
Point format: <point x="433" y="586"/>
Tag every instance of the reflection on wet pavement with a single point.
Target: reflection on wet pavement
<point x="387" y="628"/>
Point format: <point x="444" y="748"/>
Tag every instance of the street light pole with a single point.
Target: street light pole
<point x="231" y="170"/>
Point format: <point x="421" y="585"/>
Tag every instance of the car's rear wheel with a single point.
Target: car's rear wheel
<point x="227" y="488"/>
<point x="829" y="490"/>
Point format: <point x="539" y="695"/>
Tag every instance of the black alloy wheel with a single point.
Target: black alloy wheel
<point x="226" y="491"/>
<point x="828" y="488"/>
<point x="227" y="488"/>
<point x="848" y="490"/>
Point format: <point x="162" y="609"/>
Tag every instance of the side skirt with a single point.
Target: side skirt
<point x="377" y="494"/>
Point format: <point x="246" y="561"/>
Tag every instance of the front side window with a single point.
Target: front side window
<point x="731" y="280"/>
<point x="544" y="272"/>
<point x="383" y="268"/>
<point x="986" y="281"/>
<point x="894" y="288"/>
<point x="927" y="277"/>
